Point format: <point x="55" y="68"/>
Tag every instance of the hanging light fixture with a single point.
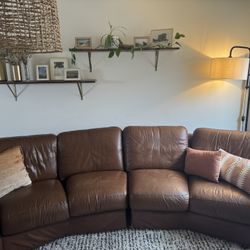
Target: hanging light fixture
<point x="27" y="27"/>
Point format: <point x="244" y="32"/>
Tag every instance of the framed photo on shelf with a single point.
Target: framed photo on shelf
<point x="57" y="67"/>
<point x="72" y="74"/>
<point x="42" y="72"/>
<point x="141" y="41"/>
<point x="162" y="37"/>
<point x="83" y="43"/>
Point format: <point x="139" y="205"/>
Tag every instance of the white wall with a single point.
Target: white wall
<point x="130" y="92"/>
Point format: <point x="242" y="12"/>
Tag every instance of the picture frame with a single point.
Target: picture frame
<point x="72" y="74"/>
<point x="57" y="67"/>
<point x="42" y="72"/>
<point x="141" y="41"/>
<point x="83" y="43"/>
<point x="162" y="37"/>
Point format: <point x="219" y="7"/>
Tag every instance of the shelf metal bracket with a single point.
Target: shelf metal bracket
<point x="156" y="59"/>
<point x="90" y="62"/>
<point x="79" y="85"/>
<point x="13" y="90"/>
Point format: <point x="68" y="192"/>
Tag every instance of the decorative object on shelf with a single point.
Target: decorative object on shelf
<point x="57" y="67"/>
<point x="42" y="72"/>
<point x="3" y="74"/>
<point x="235" y="68"/>
<point x="83" y="42"/>
<point x="112" y="40"/>
<point x="27" y="27"/>
<point x="13" y="67"/>
<point x="141" y="41"/>
<point x="16" y="72"/>
<point x="72" y="74"/>
<point x="162" y="37"/>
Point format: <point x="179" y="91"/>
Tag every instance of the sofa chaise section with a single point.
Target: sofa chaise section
<point x="220" y="209"/>
<point x="154" y="158"/>
<point x="42" y="204"/>
<point x="91" y="166"/>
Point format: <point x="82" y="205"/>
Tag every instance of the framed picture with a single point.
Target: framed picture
<point x="57" y="67"/>
<point x="163" y="37"/>
<point x="42" y="72"/>
<point x="141" y="41"/>
<point x="83" y="42"/>
<point x="72" y="74"/>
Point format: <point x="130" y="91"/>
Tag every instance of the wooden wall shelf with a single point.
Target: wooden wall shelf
<point x="89" y="51"/>
<point x="12" y="85"/>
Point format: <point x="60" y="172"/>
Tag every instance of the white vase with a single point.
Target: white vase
<point x="115" y="42"/>
<point x="16" y="72"/>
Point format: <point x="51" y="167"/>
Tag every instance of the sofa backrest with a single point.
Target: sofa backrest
<point x="40" y="153"/>
<point x="155" y="147"/>
<point x="89" y="150"/>
<point x="234" y="142"/>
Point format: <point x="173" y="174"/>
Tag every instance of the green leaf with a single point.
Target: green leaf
<point x="73" y="59"/>
<point x="118" y="52"/>
<point x="111" y="53"/>
<point x="108" y="41"/>
<point x="179" y="35"/>
<point x="132" y="53"/>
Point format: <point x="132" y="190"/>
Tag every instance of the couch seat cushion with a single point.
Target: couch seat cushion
<point x="158" y="190"/>
<point x="219" y="200"/>
<point x="97" y="192"/>
<point x="37" y="205"/>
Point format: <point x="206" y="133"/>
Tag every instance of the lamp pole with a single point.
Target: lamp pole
<point x="244" y="118"/>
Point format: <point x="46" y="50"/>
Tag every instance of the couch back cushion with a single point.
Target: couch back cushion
<point x="89" y="151"/>
<point x="155" y="147"/>
<point x="40" y="153"/>
<point x="234" y="142"/>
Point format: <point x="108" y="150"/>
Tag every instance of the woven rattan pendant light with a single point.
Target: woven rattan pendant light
<point x="29" y="26"/>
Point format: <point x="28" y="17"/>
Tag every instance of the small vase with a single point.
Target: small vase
<point x="115" y="42"/>
<point x="15" y="72"/>
<point x="3" y="76"/>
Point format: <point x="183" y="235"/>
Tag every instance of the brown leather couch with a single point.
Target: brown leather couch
<point x="162" y="196"/>
<point x="79" y="185"/>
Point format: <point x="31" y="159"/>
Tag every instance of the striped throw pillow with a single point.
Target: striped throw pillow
<point x="13" y="173"/>
<point x="235" y="170"/>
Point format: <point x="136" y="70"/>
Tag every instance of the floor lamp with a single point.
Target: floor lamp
<point x="235" y="68"/>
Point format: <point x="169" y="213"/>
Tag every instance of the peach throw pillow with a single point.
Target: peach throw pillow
<point x="13" y="173"/>
<point x="203" y="163"/>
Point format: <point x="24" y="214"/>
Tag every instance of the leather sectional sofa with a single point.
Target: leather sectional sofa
<point x="108" y="179"/>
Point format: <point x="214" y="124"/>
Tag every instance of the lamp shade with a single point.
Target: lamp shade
<point x="229" y="68"/>
<point x="29" y="26"/>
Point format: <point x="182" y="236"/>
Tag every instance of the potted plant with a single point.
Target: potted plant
<point x="112" y="40"/>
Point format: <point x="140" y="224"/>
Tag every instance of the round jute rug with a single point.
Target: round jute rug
<point x="131" y="239"/>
